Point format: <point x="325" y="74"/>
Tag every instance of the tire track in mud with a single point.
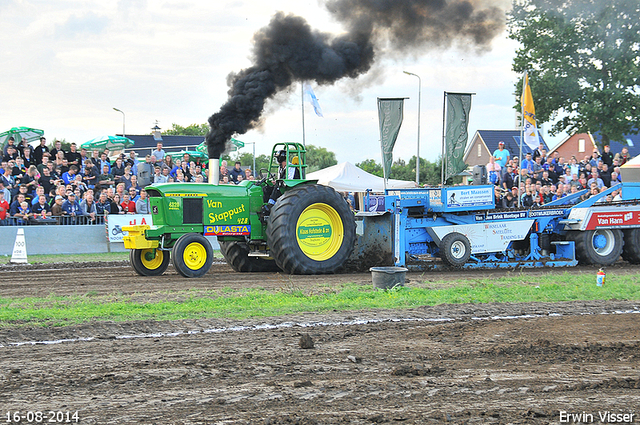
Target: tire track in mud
<point x="469" y="371"/>
<point x="476" y="369"/>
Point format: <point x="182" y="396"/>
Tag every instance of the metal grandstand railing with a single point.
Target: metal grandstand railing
<point x="80" y="220"/>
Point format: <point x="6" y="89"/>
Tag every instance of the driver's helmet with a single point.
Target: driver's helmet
<point x="281" y="155"/>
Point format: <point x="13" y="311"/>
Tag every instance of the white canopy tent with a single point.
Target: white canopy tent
<point x="346" y="177"/>
<point x="631" y="170"/>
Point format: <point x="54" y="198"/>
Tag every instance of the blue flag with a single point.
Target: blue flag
<point x="311" y="97"/>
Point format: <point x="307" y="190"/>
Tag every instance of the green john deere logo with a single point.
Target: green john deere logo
<point x="314" y="231"/>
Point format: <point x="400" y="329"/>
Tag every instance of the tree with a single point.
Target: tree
<point x="319" y="158"/>
<point x="583" y="62"/>
<point x="430" y="172"/>
<point x="371" y="167"/>
<point x="190" y="130"/>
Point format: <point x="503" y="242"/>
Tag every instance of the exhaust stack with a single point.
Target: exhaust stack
<point x="214" y="171"/>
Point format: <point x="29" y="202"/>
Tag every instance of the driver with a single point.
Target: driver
<point x="285" y="171"/>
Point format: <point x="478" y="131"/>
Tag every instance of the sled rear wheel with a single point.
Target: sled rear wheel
<point x="600" y="247"/>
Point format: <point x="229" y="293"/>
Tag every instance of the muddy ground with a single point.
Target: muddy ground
<point x="473" y="364"/>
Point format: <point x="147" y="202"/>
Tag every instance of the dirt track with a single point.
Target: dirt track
<point x="457" y="364"/>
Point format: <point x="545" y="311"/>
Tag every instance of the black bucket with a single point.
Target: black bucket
<point x="388" y="277"/>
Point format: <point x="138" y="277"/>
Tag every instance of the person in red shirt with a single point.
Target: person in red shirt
<point x="4" y="208"/>
<point x="128" y="206"/>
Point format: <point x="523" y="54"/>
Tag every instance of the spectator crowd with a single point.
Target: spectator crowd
<point x="541" y="178"/>
<point x="44" y="185"/>
<point x="52" y="185"/>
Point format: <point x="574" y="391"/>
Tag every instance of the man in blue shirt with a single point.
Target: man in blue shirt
<point x="527" y="163"/>
<point x="71" y="209"/>
<point x="70" y="175"/>
<point x="501" y="155"/>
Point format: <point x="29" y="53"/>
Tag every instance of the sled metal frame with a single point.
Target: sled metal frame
<point x="415" y="213"/>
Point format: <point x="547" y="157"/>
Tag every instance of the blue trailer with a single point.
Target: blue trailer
<point x="459" y="227"/>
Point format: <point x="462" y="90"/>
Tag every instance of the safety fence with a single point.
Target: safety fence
<point x="66" y="220"/>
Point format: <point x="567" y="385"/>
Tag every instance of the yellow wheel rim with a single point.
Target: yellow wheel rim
<point x="151" y="258"/>
<point x="319" y="232"/>
<point x="194" y="256"/>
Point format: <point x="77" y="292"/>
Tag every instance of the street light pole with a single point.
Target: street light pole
<point x="254" y="156"/>
<point x="419" y="101"/>
<point x="116" y="109"/>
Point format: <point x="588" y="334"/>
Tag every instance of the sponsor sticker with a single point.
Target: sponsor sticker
<point x="227" y="215"/>
<point x="506" y="215"/>
<point x="185" y="195"/>
<point x="227" y="230"/>
<point x="614" y="219"/>
<point x="545" y="213"/>
<point x="469" y="198"/>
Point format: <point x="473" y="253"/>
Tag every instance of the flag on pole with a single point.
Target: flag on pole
<point x="456" y="133"/>
<point x="310" y="96"/>
<point x="530" y="131"/>
<point x="390" y="115"/>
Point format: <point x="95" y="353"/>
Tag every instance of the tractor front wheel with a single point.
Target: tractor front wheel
<point x="192" y="255"/>
<point x="149" y="262"/>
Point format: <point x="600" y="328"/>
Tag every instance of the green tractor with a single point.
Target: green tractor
<point x="281" y="222"/>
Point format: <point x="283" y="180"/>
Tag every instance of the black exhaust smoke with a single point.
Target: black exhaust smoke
<point x="288" y="50"/>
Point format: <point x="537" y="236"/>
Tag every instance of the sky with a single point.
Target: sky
<point x="68" y="63"/>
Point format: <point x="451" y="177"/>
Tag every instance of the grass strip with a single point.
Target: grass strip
<point x="72" y="258"/>
<point x="66" y="310"/>
<point x="79" y="258"/>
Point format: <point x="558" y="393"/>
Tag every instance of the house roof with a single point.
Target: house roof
<point x="511" y="139"/>
<point x="148" y="141"/>
<point x="632" y="142"/>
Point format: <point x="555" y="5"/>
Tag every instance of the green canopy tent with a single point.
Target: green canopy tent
<point x="111" y="142"/>
<point x="237" y="144"/>
<point x="192" y="154"/>
<point x="20" y="133"/>
<point x="202" y="148"/>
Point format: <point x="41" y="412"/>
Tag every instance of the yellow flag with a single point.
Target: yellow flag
<point x="531" y="137"/>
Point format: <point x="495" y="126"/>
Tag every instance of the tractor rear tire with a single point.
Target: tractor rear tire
<point x="311" y="230"/>
<point x="455" y="250"/>
<point x="192" y="255"/>
<point x="149" y="262"/>
<point x="631" y="252"/>
<point x="236" y="254"/>
<point x="600" y="247"/>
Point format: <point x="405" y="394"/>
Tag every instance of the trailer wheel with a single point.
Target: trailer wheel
<point x="631" y="253"/>
<point x="311" y="230"/>
<point x="455" y="250"/>
<point x="236" y="254"/>
<point x="600" y="247"/>
<point x="149" y="262"/>
<point x="192" y="255"/>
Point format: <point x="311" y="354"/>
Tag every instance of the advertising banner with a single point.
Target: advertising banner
<point x="115" y="223"/>
<point x="469" y="198"/>
<point x="489" y="236"/>
<point x="618" y="219"/>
